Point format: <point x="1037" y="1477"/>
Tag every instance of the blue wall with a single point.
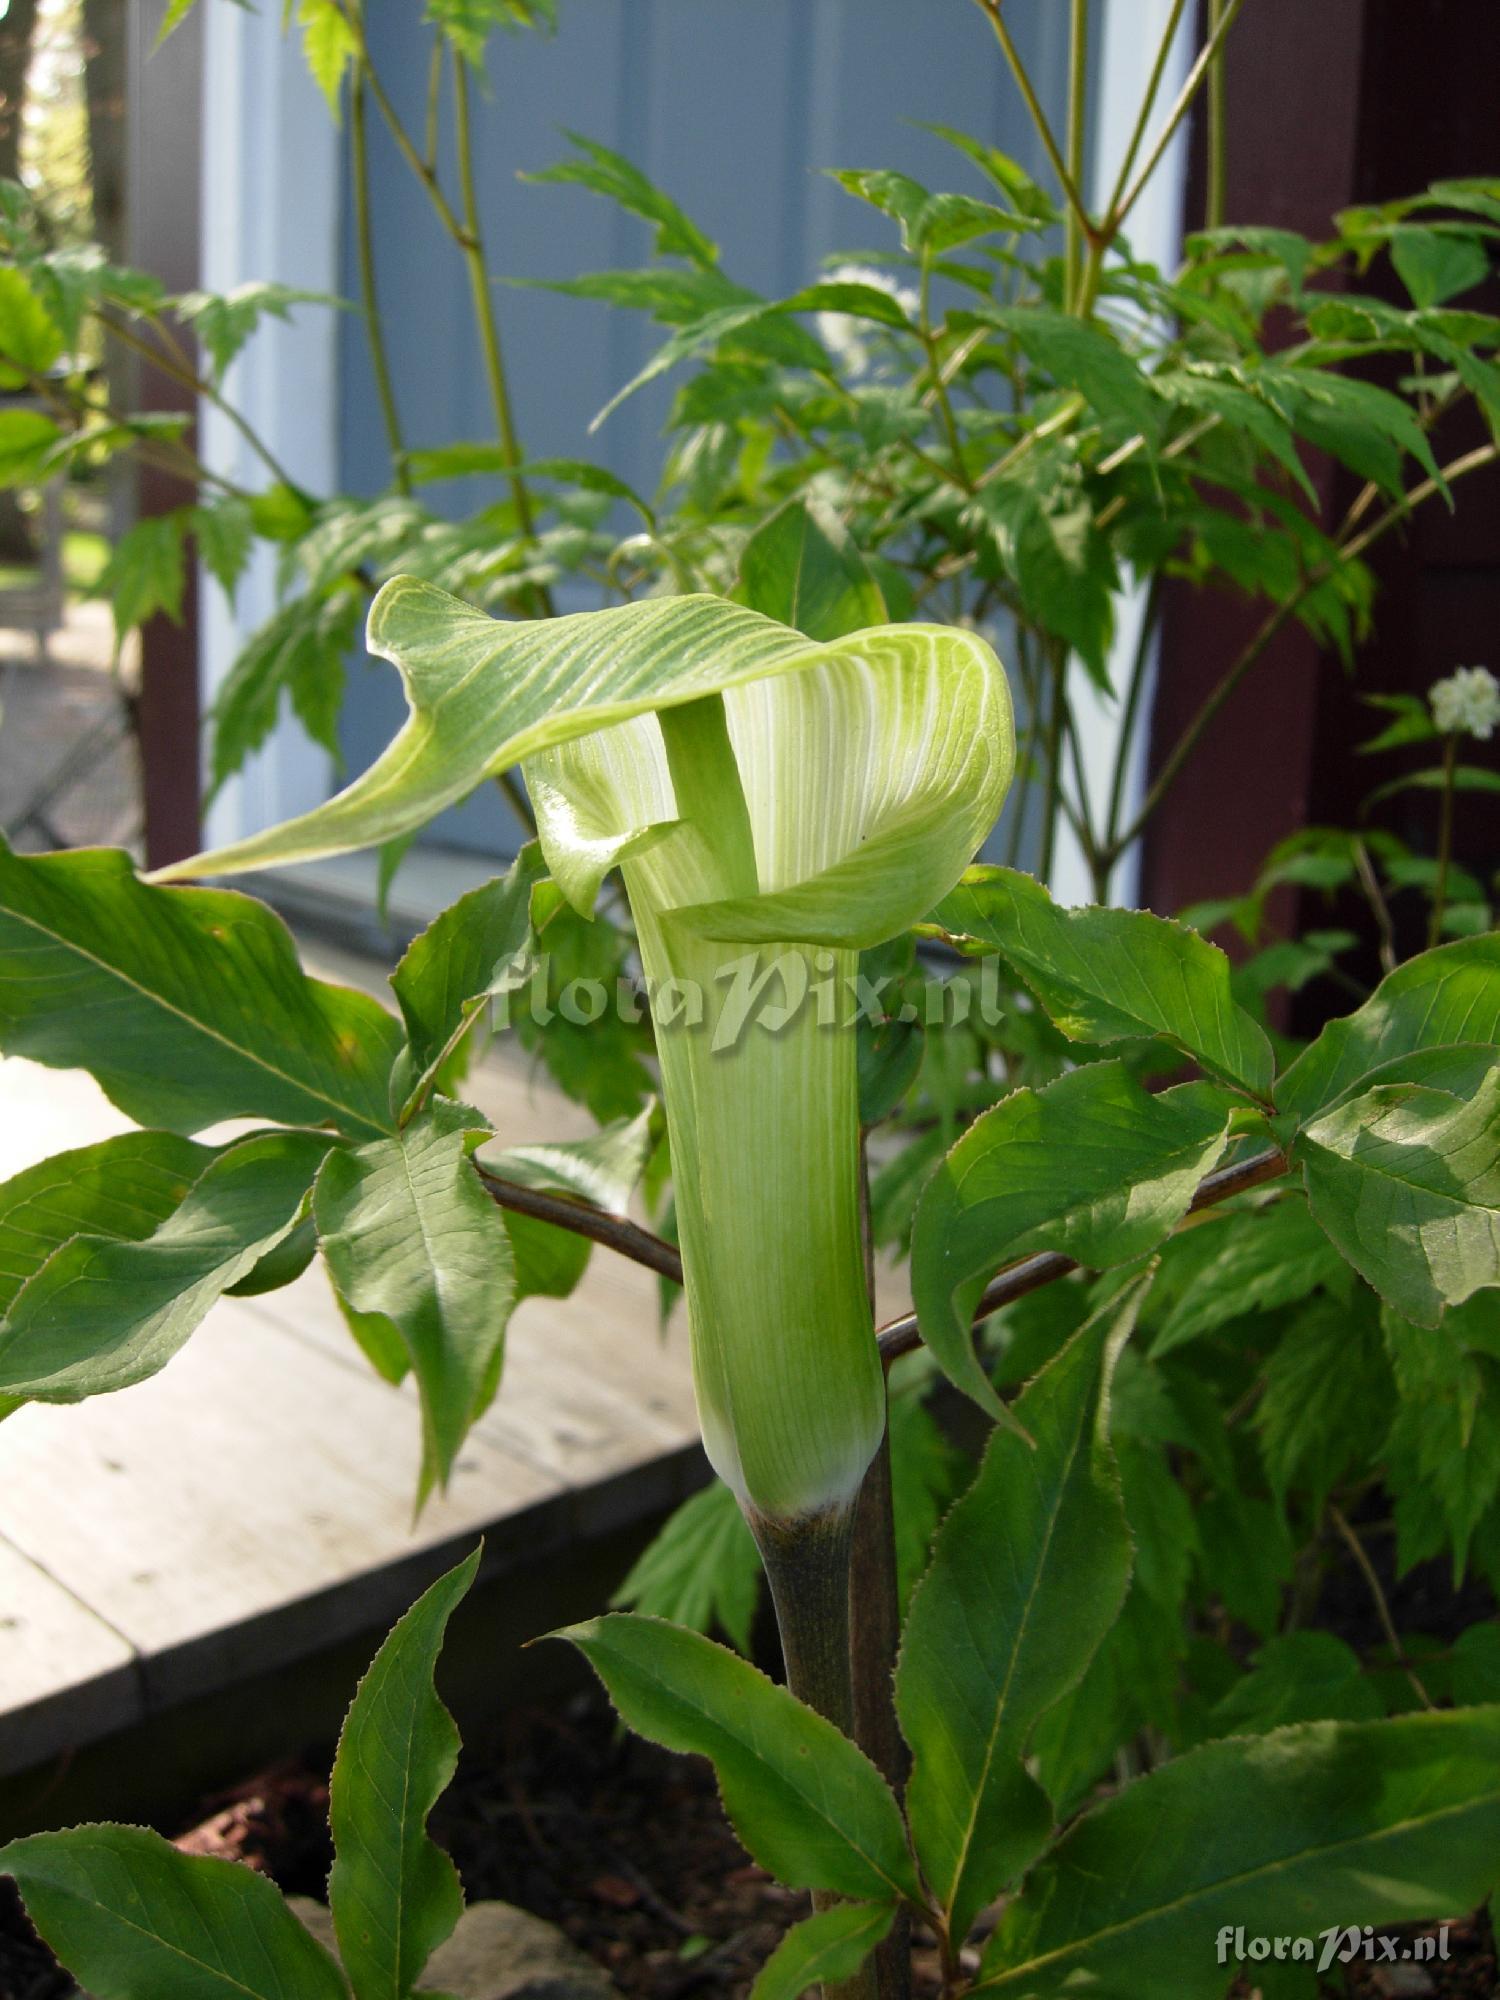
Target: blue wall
<point x="733" y="106"/>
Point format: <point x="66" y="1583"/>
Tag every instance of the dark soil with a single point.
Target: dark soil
<point x="626" y="1848"/>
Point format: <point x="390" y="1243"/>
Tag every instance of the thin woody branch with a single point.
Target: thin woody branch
<point x="615" y="1232"/>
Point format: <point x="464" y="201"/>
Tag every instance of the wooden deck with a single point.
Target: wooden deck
<point x="252" y="1504"/>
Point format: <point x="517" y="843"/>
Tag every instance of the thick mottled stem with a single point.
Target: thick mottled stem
<point x="807" y="1566"/>
<point x="874" y="1637"/>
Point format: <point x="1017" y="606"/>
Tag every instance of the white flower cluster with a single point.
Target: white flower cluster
<point x="1467" y="703"/>
<point x="847" y="338"/>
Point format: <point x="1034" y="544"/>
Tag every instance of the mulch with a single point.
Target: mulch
<point x="626" y="1848"/>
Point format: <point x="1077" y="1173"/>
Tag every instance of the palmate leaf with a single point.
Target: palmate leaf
<point x="186" y="1007"/>
<point x="1248" y="1263"/>
<point x="1027" y="1575"/>
<point x="702" y="1570"/>
<point x="394" y="1894"/>
<point x="127" y="1912"/>
<point x="104" y="1312"/>
<point x="808" y="1805"/>
<point x="1405" y="1180"/>
<point x="1348" y="1823"/>
<point x="410" y="1234"/>
<point x="610" y="174"/>
<point x="1093" y="1166"/>
<point x="1109" y="975"/>
<point x="124" y="1187"/>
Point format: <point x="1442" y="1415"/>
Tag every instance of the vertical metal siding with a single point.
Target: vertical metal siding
<point x="734" y="107"/>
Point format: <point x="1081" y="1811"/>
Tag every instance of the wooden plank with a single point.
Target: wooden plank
<point x="65" y="1676"/>
<point x="592" y="1392"/>
<point x="250" y="1504"/>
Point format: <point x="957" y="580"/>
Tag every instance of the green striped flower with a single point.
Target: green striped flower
<point x="774" y="806"/>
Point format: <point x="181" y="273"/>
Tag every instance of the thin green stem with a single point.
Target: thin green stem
<point x="1445" y="842"/>
<point x="935" y="372"/>
<point x="188" y="378"/>
<point x="992" y="11"/>
<point x="434" y="102"/>
<point x="425" y="170"/>
<point x="1213" y="216"/>
<point x="1366" y="1569"/>
<point x="385" y="391"/>
<point x="484" y="313"/>
<point x="1148" y="105"/>
<point x="1179" y="111"/>
<point x="1380" y="909"/>
<point x="1078" y="88"/>
<point x="1057" y="661"/>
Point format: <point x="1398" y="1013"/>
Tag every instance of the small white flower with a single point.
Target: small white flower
<point x="1467" y="702"/>
<point x="847" y="338"/>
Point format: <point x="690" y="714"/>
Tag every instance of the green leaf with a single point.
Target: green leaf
<point x="123" y="1187"/>
<point x="823" y="1950"/>
<point x="146" y="572"/>
<point x="1327" y="1373"/>
<point x="702" y="1570"/>
<point x="931" y="222"/>
<point x="1462" y="778"/>
<point x="1441" y="998"/>
<point x="103" y="1312"/>
<point x="1354" y="1823"/>
<point x="1259" y="1261"/>
<point x="448" y="973"/>
<point x="224" y="533"/>
<point x="26" y="438"/>
<point x="1077" y="354"/>
<point x="1441" y="1460"/>
<point x="801" y="567"/>
<point x="177" y="12"/>
<point x="468" y="23"/>
<point x="1435" y="266"/>
<point x="1298" y="1677"/>
<point x="31" y="341"/>
<point x="329" y="46"/>
<point x="394" y="1893"/>
<point x="1405" y="1180"/>
<point x="409" y="1233"/>
<point x="1111" y="975"/>
<point x="809" y="1807"/>
<point x="224" y="321"/>
<point x="1093" y="1166"/>
<point x="186" y="1006"/>
<point x="1366" y="427"/>
<point x="612" y="175"/>
<point x="1476" y="1665"/>
<point x="135" y="1919"/>
<point x="1002" y="171"/>
<point x="1027" y="1576"/>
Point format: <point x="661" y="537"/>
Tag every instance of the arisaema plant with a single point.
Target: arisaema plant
<point x="775" y="806"/>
